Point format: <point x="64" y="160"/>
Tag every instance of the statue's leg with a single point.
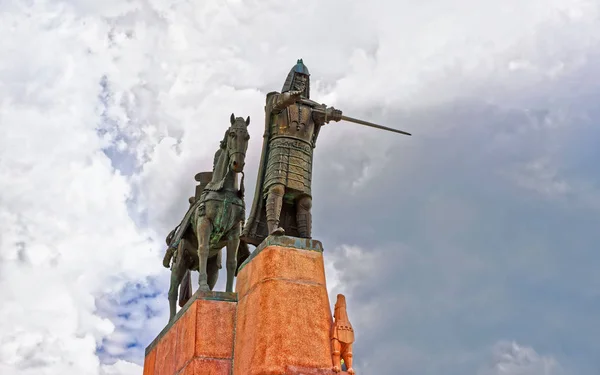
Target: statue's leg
<point x="304" y="216"/>
<point x="336" y="346"/>
<point x="203" y="232"/>
<point x="347" y="355"/>
<point x="212" y="270"/>
<point x="231" y="262"/>
<point x="177" y="272"/>
<point x="273" y="208"/>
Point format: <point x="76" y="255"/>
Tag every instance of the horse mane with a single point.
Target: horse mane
<point x="223" y="143"/>
<point x="219" y="166"/>
<point x="216" y="159"/>
<point x="222" y="147"/>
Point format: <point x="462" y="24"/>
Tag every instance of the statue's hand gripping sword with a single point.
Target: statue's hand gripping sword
<point x="319" y="108"/>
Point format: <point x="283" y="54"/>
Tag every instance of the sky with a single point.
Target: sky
<point x="466" y="249"/>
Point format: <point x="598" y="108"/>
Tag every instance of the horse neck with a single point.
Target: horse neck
<point x="222" y="172"/>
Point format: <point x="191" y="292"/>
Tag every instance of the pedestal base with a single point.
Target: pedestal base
<point x="303" y="371"/>
<point x="199" y="341"/>
<point x="278" y="322"/>
<point x="284" y="318"/>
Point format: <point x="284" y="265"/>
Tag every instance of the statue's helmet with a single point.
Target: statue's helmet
<point x="298" y="74"/>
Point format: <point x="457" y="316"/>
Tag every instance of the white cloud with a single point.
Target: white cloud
<point x="510" y="358"/>
<point x="173" y="72"/>
<point x="540" y="176"/>
<point x="66" y="233"/>
<point x="121" y="368"/>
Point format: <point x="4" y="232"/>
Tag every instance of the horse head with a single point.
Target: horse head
<point x="237" y="137"/>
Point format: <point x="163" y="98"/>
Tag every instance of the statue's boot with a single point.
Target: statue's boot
<point x="275" y="230"/>
<point x="304" y="217"/>
<point x="304" y="224"/>
<point x="273" y="208"/>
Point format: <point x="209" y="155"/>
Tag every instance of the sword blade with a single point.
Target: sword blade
<point x="366" y="123"/>
<point x="316" y="108"/>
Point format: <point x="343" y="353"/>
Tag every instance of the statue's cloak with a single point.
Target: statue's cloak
<point x="255" y="230"/>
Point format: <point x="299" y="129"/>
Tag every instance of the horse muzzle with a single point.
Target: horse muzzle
<point x="236" y="166"/>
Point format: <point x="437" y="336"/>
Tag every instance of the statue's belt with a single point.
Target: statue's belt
<point x="289" y="142"/>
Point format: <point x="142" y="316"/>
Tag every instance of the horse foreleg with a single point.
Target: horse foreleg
<point x="203" y="232"/>
<point x="231" y="263"/>
<point x="177" y="273"/>
<point x="185" y="288"/>
<point x="212" y="269"/>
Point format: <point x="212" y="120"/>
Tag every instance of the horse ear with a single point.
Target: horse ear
<point x="232" y="118"/>
<point x="247" y="120"/>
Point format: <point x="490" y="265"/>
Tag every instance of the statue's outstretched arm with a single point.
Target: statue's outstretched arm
<point x="326" y="114"/>
<point x="281" y="101"/>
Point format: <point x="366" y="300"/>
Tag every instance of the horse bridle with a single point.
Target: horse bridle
<point x="230" y="155"/>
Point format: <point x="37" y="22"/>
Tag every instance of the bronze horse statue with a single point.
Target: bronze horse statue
<point x="212" y="222"/>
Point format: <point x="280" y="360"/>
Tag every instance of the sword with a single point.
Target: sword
<point x="366" y="123"/>
<point x="355" y="120"/>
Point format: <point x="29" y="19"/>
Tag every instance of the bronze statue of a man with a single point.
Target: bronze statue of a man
<point x="283" y="190"/>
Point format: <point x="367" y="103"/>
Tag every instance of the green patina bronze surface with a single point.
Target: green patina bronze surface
<point x="283" y="195"/>
<point x="212" y="222"/>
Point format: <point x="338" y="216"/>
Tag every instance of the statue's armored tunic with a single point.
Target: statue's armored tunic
<point x="292" y="132"/>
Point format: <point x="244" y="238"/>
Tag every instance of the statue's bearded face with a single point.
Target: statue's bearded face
<point x="300" y="82"/>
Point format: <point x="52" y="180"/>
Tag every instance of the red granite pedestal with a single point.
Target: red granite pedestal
<point x="199" y="341"/>
<point x="277" y="323"/>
